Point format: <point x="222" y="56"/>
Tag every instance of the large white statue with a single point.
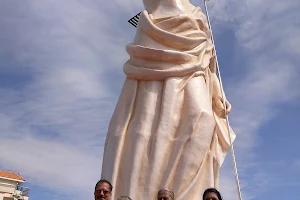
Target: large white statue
<point x="168" y="128"/>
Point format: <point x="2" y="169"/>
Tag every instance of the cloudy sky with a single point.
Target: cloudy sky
<point x="61" y="75"/>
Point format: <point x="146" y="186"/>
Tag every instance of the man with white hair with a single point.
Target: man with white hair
<point x="165" y="194"/>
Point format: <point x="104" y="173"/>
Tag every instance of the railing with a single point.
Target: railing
<point x="24" y="190"/>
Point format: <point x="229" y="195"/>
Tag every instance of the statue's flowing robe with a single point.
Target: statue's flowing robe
<point x="164" y="132"/>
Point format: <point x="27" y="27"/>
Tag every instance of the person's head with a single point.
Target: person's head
<point x="165" y="194"/>
<point x="124" y="198"/>
<point x="103" y="190"/>
<point x="211" y="194"/>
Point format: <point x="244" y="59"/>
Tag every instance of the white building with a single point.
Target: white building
<point x="11" y="186"/>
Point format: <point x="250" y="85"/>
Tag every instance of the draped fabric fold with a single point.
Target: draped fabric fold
<point x="164" y="132"/>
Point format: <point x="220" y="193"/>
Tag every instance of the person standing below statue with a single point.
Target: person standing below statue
<point x="165" y="194"/>
<point x="211" y="194"/>
<point x="103" y="189"/>
<point x="168" y="128"/>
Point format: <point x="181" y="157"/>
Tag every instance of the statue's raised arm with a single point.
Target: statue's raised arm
<point x="167" y="129"/>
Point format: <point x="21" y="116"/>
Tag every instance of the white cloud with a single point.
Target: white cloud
<point x="53" y="128"/>
<point x="51" y="164"/>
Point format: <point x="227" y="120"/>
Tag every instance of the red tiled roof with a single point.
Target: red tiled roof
<point x="11" y="175"/>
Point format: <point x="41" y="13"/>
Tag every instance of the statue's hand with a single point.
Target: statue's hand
<point x="218" y="107"/>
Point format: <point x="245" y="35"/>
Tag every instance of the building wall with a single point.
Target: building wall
<point x="7" y="185"/>
<point x="8" y="181"/>
<point x="7" y="189"/>
<point x="9" y="197"/>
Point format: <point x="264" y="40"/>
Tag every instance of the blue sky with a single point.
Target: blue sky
<point x="61" y="75"/>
